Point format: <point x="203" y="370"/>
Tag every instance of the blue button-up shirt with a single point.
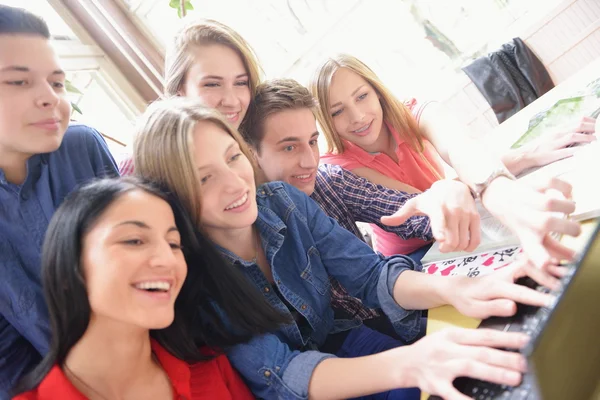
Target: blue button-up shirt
<point x="25" y="211"/>
<point x="304" y="247"/>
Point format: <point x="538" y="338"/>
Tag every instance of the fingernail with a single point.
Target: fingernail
<point x="523" y="364"/>
<point x="525" y="339"/>
<point x="512" y="376"/>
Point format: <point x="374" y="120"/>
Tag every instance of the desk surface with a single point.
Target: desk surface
<point x="502" y="138"/>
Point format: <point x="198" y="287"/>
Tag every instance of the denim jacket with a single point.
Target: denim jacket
<point x="304" y="246"/>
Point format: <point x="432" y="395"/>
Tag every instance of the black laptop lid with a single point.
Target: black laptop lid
<point x="565" y="357"/>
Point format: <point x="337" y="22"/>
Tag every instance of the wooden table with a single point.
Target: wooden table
<point x="502" y="138"/>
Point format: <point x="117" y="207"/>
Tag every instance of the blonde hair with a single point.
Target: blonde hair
<point x="394" y="111"/>
<point x="203" y="32"/>
<point x="163" y="147"/>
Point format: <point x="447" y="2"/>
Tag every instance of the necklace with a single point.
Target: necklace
<point x="81" y="381"/>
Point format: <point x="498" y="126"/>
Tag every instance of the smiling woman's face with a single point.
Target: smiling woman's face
<point x="227" y="190"/>
<point x="132" y="262"/>
<point x="219" y="78"/>
<point x="354" y="108"/>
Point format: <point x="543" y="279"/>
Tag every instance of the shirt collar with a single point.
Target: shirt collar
<point x="395" y="134"/>
<point x="33" y="166"/>
<point x="56" y="385"/>
<point x="177" y="370"/>
<point x="268" y="221"/>
<point x="272" y="228"/>
<point x="365" y="155"/>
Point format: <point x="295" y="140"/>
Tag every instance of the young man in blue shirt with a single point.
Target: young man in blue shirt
<point x="41" y="160"/>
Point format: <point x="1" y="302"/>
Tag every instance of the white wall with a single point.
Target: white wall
<point x="565" y="40"/>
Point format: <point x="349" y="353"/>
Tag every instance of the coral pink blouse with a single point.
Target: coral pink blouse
<point x="412" y="168"/>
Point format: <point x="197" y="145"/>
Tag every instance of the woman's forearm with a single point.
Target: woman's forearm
<point x="419" y="291"/>
<point x="343" y="378"/>
<point x="452" y="140"/>
<point x="516" y="161"/>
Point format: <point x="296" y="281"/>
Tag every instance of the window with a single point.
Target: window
<point x="288" y="29"/>
<point x="416" y="46"/>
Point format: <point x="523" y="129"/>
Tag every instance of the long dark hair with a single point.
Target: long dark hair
<point x="65" y="287"/>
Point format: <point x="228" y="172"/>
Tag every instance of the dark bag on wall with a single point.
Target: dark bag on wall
<point x="509" y="78"/>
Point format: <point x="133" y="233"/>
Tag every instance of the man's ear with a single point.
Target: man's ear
<point x="259" y="174"/>
<point x="254" y="154"/>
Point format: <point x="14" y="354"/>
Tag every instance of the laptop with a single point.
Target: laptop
<point x="564" y="352"/>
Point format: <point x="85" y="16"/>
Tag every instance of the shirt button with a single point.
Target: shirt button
<point x="24" y="196"/>
<point x="267" y="374"/>
<point x="303" y="306"/>
<point x="266" y="289"/>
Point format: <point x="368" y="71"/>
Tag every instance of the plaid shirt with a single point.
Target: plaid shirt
<point x="126" y="166"/>
<point x="348" y="199"/>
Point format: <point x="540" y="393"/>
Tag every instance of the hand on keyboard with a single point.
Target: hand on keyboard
<point x="548" y="277"/>
<point x="497" y="294"/>
<point x="440" y="358"/>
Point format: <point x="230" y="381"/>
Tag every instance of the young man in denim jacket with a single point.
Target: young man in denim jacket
<point x="41" y="161"/>
<point x="282" y="132"/>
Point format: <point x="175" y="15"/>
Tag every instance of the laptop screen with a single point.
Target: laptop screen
<point x="566" y="356"/>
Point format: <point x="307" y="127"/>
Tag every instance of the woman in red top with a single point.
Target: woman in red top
<point x="114" y="263"/>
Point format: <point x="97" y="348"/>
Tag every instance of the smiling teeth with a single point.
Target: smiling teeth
<point x="364" y="128"/>
<point x="302" y="176"/>
<point x="231" y="116"/>
<point x="158" y="285"/>
<point x="238" y="203"/>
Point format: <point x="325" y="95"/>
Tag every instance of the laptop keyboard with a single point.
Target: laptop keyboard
<point x="529" y="320"/>
<point x="480" y="390"/>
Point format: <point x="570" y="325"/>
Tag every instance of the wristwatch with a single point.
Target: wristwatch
<point x="481" y="184"/>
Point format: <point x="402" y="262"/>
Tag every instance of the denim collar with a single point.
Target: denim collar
<point x="272" y="231"/>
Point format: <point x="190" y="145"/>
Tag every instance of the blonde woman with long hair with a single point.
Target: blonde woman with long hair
<point x="286" y="247"/>
<point x="210" y="61"/>
<point x="393" y="143"/>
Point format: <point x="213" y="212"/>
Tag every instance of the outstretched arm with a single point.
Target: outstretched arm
<point x="531" y="214"/>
